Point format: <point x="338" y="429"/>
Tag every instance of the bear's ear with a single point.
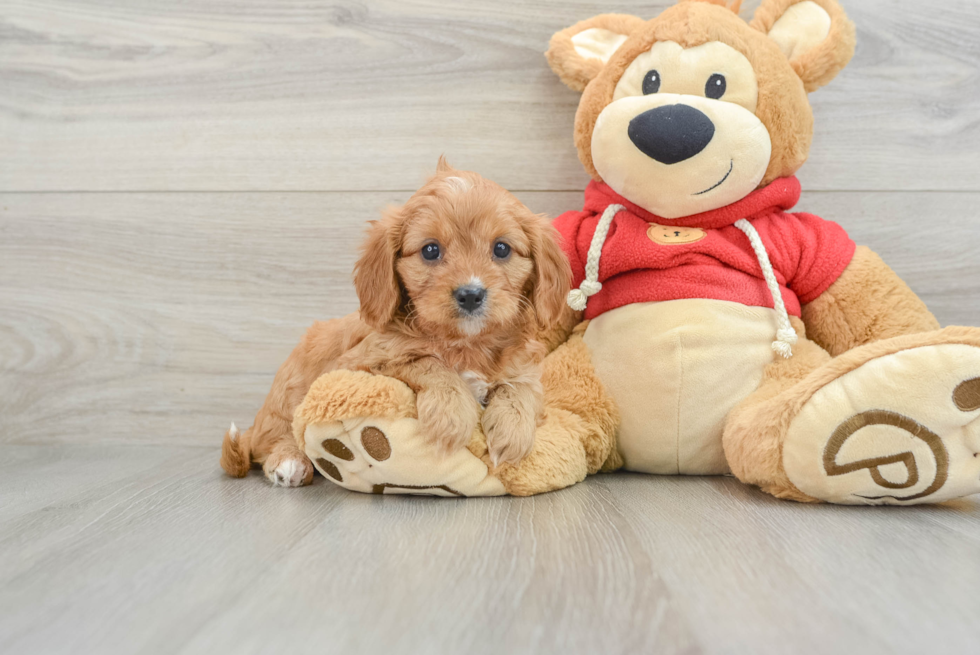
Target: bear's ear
<point x="578" y="53"/>
<point x="815" y="35"/>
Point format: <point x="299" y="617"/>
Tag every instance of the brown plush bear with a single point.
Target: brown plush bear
<point x="722" y="333"/>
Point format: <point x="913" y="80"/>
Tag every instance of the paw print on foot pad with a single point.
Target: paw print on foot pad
<point x="389" y="456"/>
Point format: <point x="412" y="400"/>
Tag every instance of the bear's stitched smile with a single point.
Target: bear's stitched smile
<point x="730" y="169"/>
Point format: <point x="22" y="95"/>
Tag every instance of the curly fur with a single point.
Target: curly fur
<point x="409" y="326"/>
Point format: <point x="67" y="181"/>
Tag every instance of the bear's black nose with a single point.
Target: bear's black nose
<point x="671" y="134"/>
<point x="470" y="298"/>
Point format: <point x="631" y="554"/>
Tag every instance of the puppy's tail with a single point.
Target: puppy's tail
<point x="235" y="455"/>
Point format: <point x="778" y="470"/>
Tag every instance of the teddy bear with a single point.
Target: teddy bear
<point x="711" y="330"/>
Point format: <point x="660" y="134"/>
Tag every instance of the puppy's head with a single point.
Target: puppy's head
<point x="462" y="257"/>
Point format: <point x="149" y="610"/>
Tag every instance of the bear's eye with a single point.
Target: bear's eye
<point x="501" y="250"/>
<point x="651" y="83"/>
<point x="431" y="252"/>
<point x="716" y="86"/>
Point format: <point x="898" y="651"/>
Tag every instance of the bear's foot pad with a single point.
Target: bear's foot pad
<point x="900" y="429"/>
<point x="360" y="432"/>
<point x="389" y="456"/>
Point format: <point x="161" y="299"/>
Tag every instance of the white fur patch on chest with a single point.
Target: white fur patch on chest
<point x="478" y="385"/>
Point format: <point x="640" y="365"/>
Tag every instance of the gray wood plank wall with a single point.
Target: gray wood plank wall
<point x="247" y="95"/>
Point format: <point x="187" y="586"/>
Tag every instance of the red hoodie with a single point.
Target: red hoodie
<point x="808" y="254"/>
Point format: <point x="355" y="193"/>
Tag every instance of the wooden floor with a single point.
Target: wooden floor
<point x="183" y="186"/>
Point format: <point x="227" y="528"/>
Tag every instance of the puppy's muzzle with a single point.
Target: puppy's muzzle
<point x="671" y="134"/>
<point x="470" y="299"/>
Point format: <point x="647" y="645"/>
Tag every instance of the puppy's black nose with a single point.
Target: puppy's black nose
<point x="671" y="134"/>
<point x="470" y="298"/>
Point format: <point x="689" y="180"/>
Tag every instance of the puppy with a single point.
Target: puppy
<point x="454" y="287"/>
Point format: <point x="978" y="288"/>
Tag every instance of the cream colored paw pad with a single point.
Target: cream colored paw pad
<point x="389" y="456"/>
<point x="901" y="429"/>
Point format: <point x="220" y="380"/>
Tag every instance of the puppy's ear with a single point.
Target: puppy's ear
<point x="375" y="278"/>
<point x="552" y="272"/>
<point x="443" y="165"/>
<point x="815" y="35"/>
<point x="578" y="53"/>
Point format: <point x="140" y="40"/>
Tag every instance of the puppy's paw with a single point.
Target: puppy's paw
<point x="447" y="417"/>
<point x="288" y="470"/>
<point x="510" y="432"/>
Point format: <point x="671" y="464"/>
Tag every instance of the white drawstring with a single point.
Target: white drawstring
<point x="785" y="336"/>
<point x="579" y="298"/>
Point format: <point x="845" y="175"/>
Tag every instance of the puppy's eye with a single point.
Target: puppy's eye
<point x="651" y="82"/>
<point x="431" y="252"/>
<point x="716" y="86"/>
<point x="501" y="250"/>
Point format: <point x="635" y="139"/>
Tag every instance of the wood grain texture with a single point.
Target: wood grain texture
<point x="161" y="317"/>
<point x="172" y="557"/>
<point x="322" y="95"/>
<point x="242" y="145"/>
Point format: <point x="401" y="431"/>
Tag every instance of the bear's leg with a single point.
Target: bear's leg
<point x="896" y="421"/>
<point x="362" y="433"/>
<point x="578" y="433"/>
<point x="753" y="448"/>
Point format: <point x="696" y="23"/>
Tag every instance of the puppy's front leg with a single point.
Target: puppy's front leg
<point x="511" y="418"/>
<point x="448" y="413"/>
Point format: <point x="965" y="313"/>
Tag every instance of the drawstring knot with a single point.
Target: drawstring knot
<point x="579" y="298"/>
<point x="785" y="340"/>
<point x="786" y="336"/>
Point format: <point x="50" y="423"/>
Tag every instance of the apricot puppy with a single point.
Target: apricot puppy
<point x="454" y="286"/>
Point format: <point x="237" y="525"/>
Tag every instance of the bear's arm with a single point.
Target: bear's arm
<point x="868" y="302"/>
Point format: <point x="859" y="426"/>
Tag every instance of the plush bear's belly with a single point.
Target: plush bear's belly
<point x="676" y="369"/>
